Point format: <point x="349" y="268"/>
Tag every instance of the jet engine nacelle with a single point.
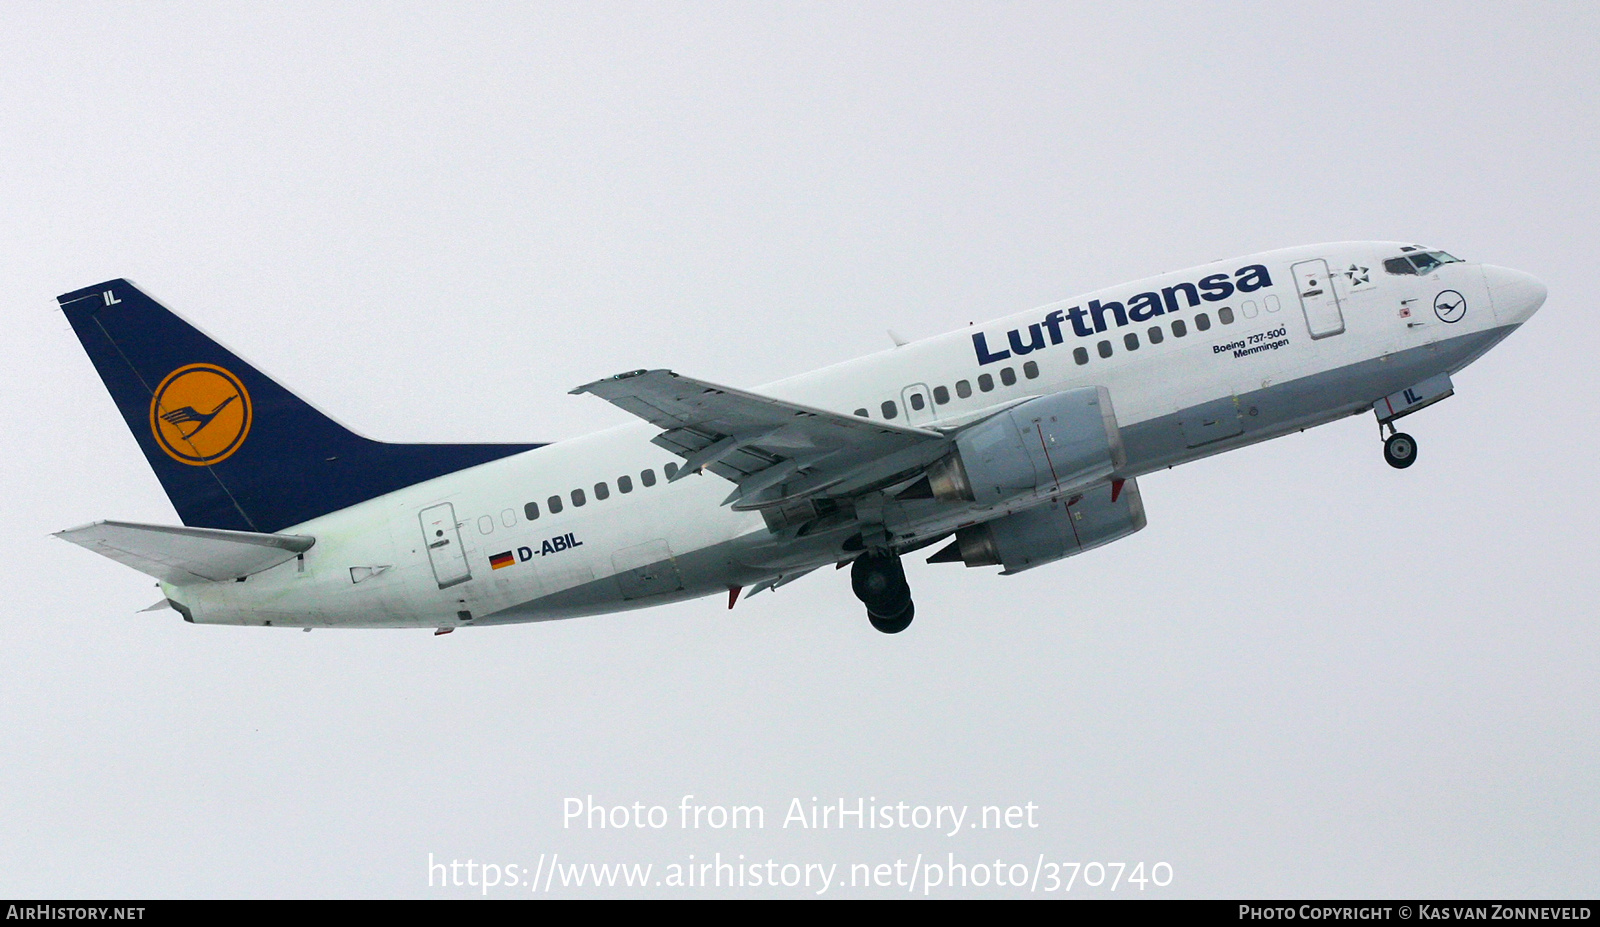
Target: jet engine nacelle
<point x="1065" y="440"/>
<point x="1051" y="531"/>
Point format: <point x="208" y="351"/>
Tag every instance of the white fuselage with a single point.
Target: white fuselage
<point x="1254" y="352"/>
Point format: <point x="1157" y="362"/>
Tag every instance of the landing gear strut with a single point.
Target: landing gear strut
<point x="1399" y="449"/>
<point x="879" y="582"/>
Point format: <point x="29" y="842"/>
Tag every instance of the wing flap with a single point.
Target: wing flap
<point x="776" y="450"/>
<point x="184" y="556"/>
<point x="669" y="401"/>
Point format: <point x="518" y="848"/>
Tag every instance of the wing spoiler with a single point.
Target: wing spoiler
<point x="775" y="450"/>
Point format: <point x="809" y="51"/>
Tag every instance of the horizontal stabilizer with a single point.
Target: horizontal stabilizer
<point x="183" y="556"/>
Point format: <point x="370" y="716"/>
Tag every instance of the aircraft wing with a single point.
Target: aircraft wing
<point x="776" y="451"/>
<point x="183" y="556"/>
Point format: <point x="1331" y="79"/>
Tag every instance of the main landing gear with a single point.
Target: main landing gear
<point x="879" y="582"/>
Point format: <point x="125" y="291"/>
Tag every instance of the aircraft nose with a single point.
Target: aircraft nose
<point x="1515" y="295"/>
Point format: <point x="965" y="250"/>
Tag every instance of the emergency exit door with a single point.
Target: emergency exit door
<point x="443" y="537"/>
<point x="918" y="403"/>
<point x="1318" y="299"/>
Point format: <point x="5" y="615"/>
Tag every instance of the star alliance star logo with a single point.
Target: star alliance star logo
<point x="1358" y="275"/>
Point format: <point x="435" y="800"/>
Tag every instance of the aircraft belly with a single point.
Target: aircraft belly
<point x="1295" y="404"/>
<point x="684" y="576"/>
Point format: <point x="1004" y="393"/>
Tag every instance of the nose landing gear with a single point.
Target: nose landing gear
<point x="1399" y="449"/>
<point x="879" y="581"/>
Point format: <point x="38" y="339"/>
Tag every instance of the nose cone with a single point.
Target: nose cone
<point x="1515" y="295"/>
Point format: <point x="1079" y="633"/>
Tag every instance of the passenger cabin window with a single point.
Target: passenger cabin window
<point x="1104" y="348"/>
<point x="530" y="511"/>
<point x="917" y="402"/>
<point x="1155" y="334"/>
<point x="602" y="491"/>
<point x="985" y="382"/>
<point x="1080" y="355"/>
<point x="555" y="504"/>
<point x="1008" y="376"/>
<point x="578" y="498"/>
<point x="624" y="484"/>
<point x="890" y="410"/>
<point x="862" y="413"/>
<point x="941" y="395"/>
<point x="1225" y="315"/>
<point x="1030" y="370"/>
<point x="963" y="389"/>
<point x="1179" y="329"/>
<point x="647" y="477"/>
<point x="1131" y="340"/>
<point x="671" y="470"/>
<point x="1202" y="322"/>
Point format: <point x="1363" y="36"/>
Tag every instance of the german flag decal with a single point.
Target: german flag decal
<point x="502" y="560"/>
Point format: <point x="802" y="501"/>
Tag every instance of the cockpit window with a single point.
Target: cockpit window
<point x="1424" y="262"/>
<point x="1421" y="263"/>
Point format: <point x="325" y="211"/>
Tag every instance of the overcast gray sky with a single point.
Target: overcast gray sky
<point x="1310" y="675"/>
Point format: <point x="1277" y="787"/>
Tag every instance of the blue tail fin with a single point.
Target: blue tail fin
<point x="232" y="448"/>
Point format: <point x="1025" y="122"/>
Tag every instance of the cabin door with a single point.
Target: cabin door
<point x="1318" y="299"/>
<point x="443" y="537"/>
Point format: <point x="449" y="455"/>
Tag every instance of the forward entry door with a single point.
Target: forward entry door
<point x="1318" y="299"/>
<point x="443" y="537"/>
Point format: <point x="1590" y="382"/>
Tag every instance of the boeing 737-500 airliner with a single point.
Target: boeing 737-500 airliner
<point x="1018" y="442"/>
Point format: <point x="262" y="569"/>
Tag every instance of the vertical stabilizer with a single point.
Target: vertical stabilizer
<point x="233" y="449"/>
